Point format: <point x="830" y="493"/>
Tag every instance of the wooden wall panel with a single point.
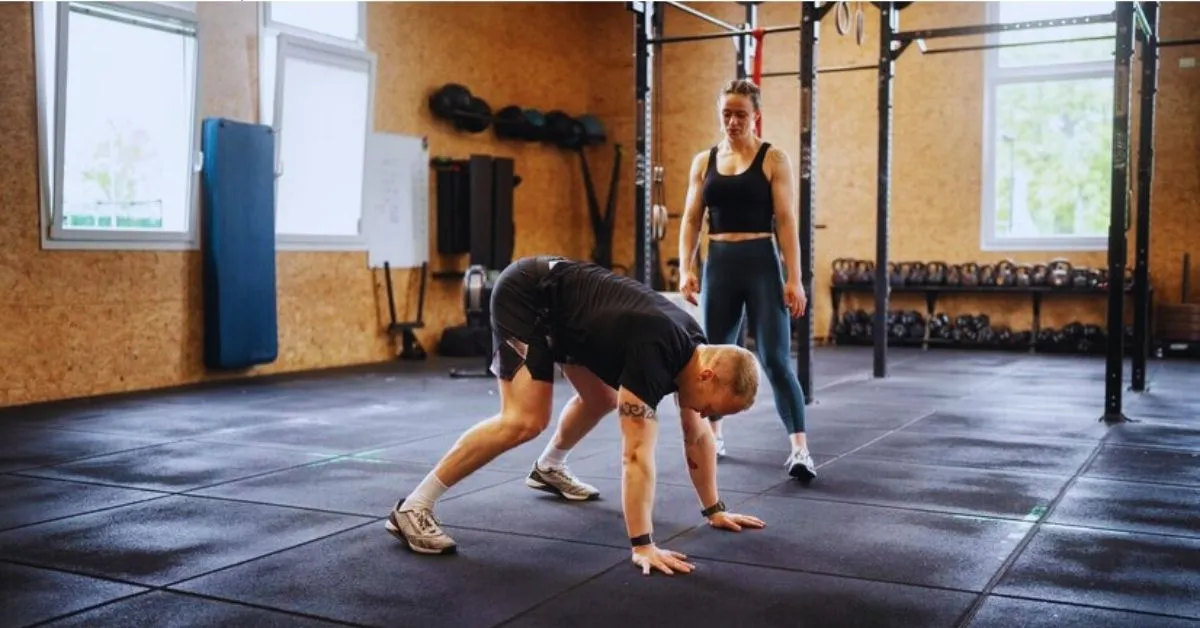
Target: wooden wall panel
<point x="83" y="323"/>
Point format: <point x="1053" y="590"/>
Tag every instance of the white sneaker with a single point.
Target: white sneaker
<point x="562" y="482"/>
<point x="420" y="530"/>
<point x="720" y="447"/>
<point x="800" y="466"/>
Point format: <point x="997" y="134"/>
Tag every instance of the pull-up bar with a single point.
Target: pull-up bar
<point x="738" y="33"/>
<point x="704" y="16"/>
<point x="985" y="29"/>
<point x="935" y="51"/>
<point x="1179" y="42"/>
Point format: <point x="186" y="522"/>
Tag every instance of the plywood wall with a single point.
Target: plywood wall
<point x="83" y="323"/>
<point x="937" y="150"/>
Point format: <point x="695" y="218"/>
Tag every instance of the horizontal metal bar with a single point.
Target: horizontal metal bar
<point x="1178" y="42"/>
<point x="984" y="29"/>
<point x="1013" y="44"/>
<point x="704" y="16"/>
<point x="831" y="69"/>
<point x="681" y="38"/>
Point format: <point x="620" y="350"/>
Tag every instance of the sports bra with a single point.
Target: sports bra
<point x="739" y="203"/>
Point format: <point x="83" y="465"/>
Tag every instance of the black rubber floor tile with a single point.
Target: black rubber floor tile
<point x="170" y="421"/>
<point x="29" y="595"/>
<point x="366" y="576"/>
<point x="165" y="609"/>
<point x="331" y="434"/>
<point x="1137" y="464"/>
<point x="515" y="508"/>
<point x="903" y="546"/>
<point x="984" y="451"/>
<point x="966" y="419"/>
<point x="1005" y="612"/>
<point x="827" y="440"/>
<point x="926" y="487"/>
<point x="33" y="500"/>
<point x="1152" y="433"/>
<point x="1119" y="570"/>
<point x="428" y="451"/>
<point x="169" y="539"/>
<point x="178" y="466"/>
<point x="26" y="448"/>
<point x="1130" y="506"/>
<point x="353" y="485"/>
<point x="742" y="469"/>
<point x="726" y="594"/>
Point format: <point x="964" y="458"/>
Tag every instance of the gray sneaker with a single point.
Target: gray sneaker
<point x="800" y="466"/>
<point x="420" y="530"/>
<point x="561" y="481"/>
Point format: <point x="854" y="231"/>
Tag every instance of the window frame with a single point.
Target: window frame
<point x="324" y="49"/>
<point x="995" y="77"/>
<point x="50" y="166"/>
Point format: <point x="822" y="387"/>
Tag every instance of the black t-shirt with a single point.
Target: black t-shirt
<point x="626" y="333"/>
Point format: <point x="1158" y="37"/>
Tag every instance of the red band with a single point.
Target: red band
<point x="759" y="35"/>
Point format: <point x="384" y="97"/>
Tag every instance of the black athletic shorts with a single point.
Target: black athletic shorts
<point x="521" y="331"/>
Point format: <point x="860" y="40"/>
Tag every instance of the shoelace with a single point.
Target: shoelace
<point x="427" y="522"/>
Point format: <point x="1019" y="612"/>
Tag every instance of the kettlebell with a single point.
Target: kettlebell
<point x="970" y="274"/>
<point x="954" y="275"/>
<point x="1058" y="273"/>
<point x="1006" y="273"/>
<point x="935" y="273"/>
<point x="987" y="275"/>
<point x="1023" y="276"/>
<point x="841" y="271"/>
<point x="1038" y="276"/>
<point x="916" y="273"/>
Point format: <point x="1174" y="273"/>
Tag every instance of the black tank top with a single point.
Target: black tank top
<point x="739" y="203"/>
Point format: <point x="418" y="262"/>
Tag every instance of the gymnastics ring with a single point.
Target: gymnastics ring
<point x="860" y="26"/>
<point x="844" y="4"/>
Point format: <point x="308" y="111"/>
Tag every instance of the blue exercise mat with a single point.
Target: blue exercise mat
<point x="238" y="244"/>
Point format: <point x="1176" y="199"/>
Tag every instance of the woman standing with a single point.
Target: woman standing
<point x="746" y="186"/>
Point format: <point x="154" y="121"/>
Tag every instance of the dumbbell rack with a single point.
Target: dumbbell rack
<point x="932" y="292"/>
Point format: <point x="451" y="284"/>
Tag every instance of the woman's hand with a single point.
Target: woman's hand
<point x="794" y="298"/>
<point x="689" y="287"/>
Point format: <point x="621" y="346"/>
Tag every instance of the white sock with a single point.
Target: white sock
<point x="553" y="458"/>
<point x="425" y="495"/>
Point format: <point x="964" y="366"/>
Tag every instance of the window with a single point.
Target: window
<point x="1048" y="131"/>
<point x="318" y="89"/>
<point x="119" y="132"/>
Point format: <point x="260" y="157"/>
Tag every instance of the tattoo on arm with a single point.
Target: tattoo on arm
<point x="637" y="411"/>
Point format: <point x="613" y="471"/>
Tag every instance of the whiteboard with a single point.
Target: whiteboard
<point x="395" y="214"/>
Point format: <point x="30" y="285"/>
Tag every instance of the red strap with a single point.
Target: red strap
<point x="759" y="35"/>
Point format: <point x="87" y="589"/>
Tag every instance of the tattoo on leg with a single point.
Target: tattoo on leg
<point x="692" y="463"/>
<point x="636" y="411"/>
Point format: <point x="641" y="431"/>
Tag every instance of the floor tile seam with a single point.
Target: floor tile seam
<point x="946" y="464"/>
<point x="208" y="438"/>
<point x="953" y="467"/>
<point x="912" y="509"/>
<point x="89" y="608"/>
<point x="4" y="531"/>
<point x="1116" y="444"/>
<point x="1059" y="525"/>
<point x="234" y="565"/>
<point x="873" y="441"/>
<point x="293" y="467"/>
<point x="158" y="589"/>
<point x="1123" y="480"/>
<point x="1013" y="556"/>
<point x="83" y="573"/>
<point x="61" y="463"/>
<point x="548" y="599"/>
<point x="306" y="509"/>
<point x="1028" y="598"/>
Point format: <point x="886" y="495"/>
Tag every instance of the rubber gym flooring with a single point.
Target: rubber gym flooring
<point x="968" y="489"/>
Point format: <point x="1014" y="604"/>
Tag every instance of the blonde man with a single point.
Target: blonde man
<point x="621" y="345"/>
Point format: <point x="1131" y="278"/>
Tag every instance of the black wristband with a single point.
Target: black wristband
<point x="639" y="541"/>
<point x="714" y="509"/>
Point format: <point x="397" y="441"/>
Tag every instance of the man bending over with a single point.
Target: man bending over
<point x="621" y="345"/>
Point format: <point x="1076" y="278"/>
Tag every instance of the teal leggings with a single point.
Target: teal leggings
<point x="747" y="277"/>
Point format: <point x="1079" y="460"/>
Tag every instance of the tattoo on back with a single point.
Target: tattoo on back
<point x="636" y="411"/>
